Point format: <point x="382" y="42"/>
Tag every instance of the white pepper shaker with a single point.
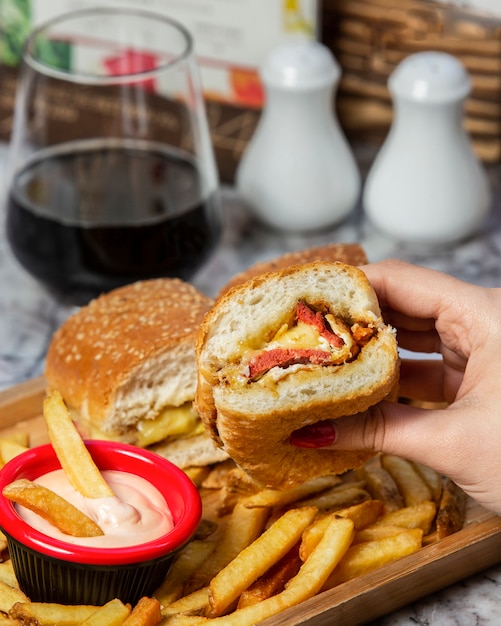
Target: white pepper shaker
<point x="426" y="184"/>
<point x="298" y="172"/>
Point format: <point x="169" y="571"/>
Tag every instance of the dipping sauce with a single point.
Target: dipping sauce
<point x="136" y="515"/>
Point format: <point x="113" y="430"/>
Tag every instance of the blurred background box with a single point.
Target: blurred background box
<point x="368" y="37"/>
<point x="232" y="39"/>
<point x="371" y="37"/>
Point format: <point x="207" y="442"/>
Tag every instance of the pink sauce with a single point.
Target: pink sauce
<point x="136" y="515"/>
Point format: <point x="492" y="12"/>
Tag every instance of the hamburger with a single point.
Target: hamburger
<point x="286" y="349"/>
<point x="125" y="366"/>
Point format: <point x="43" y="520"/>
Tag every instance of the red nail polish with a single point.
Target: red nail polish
<point x="317" y="435"/>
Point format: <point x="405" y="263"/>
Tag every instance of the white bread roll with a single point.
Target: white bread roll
<point x="252" y="416"/>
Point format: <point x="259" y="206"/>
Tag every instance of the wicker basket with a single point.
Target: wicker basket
<point x="369" y="39"/>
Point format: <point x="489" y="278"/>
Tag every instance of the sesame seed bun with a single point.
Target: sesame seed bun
<point x="129" y="354"/>
<point x="350" y="253"/>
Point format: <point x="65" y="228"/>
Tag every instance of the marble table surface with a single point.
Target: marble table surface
<point x="29" y="316"/>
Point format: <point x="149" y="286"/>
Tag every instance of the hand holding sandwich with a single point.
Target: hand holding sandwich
<point x="286" y="349"/>
<point x="435" y="313"/>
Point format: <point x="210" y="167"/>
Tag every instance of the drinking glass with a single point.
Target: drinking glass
<point x="113" y="177"/>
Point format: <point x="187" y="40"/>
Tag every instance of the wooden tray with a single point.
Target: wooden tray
<point x="435" y="566"/>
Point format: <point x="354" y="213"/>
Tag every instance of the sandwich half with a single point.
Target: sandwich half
<point x="125" y="366"/>
<point x="287" y="349"/>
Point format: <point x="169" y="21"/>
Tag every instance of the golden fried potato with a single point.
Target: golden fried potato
<point x="257" y="558"/>
<point x="51" y="613"/>
<point x="113" y="613"/>
<point x="52" y="507"/>
<point x="145" y="613"/>
<point x="74" y="457"/>
<point x="451" y="509"/>
<point x="409" y="482"/>
<point x="366" y="557"/>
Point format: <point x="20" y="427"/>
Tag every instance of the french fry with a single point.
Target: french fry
<point x="205" y="529"/>
<point x="273" y="498"/>
<point x="409" y="482"/>
<point x="7" y="575"/>
<point x="113" y="613"/>
<point x="187" y="563"/>
<point x="451" y="510"/>
<point x="374" y="533"/>
<point x="197" y="474"/>
<point x="51" y="613"/>
<point x="338" y="497"/>
<point x="243" y="527"/>
<point x="145" y="613"/>
<point x="52" y="507"/>
<point x="219" y="475"/>
<point x="381" y="485"/>
<point x="419" y="515"/>
<point x="21" y="437"/>
<point x="182" y="619"/>
<point x="366" y="557"/>
<point x="312" y="536"/>
<point x="273" y="581"/>
<point x="307" y="582"/>
<point x="362" y="515"/>
<point x="74" y="457"/>
<point x="9" y="449"/>
<point x="431" y="478"/>
<point x="194" y="603"/>
<point x="238" y="485"/>
<point x="257" y="558"/>
<point x="10" y="596"/>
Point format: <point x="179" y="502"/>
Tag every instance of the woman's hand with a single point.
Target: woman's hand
<point x="435" y="313"/>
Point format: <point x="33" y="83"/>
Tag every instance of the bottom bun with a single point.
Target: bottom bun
<point x="196" y="451"/>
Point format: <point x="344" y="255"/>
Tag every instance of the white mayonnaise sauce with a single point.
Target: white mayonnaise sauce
<point x="136" y="515"/>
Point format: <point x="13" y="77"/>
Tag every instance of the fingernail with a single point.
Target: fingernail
<point x="316" y="435"/>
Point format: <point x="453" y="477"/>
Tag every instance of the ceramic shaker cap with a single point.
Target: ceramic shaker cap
<point x="297" y="66"/>
<point x="430" y="77"/>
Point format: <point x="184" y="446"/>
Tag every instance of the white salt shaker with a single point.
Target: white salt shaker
<point x="426" y="183"/>
<point x="298" y="172"/>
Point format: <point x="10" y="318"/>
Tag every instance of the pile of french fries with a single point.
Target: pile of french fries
<point x="259" y="551"/>
<point x="278" y="548"/>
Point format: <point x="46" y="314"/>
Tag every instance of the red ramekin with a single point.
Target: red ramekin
<point x="50" y="570"/>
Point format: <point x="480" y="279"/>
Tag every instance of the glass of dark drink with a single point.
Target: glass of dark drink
<point x="113" y="177"/>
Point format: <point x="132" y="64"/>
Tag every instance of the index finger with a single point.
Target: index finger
<point x="410" y="290"/>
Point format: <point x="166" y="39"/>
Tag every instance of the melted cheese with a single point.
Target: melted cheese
<point x="306" y="336"/>
<point x="299" y="336"/>
<point x="172" y="421"/>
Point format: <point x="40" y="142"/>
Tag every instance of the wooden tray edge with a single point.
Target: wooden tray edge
<point x="22" y="401"/>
